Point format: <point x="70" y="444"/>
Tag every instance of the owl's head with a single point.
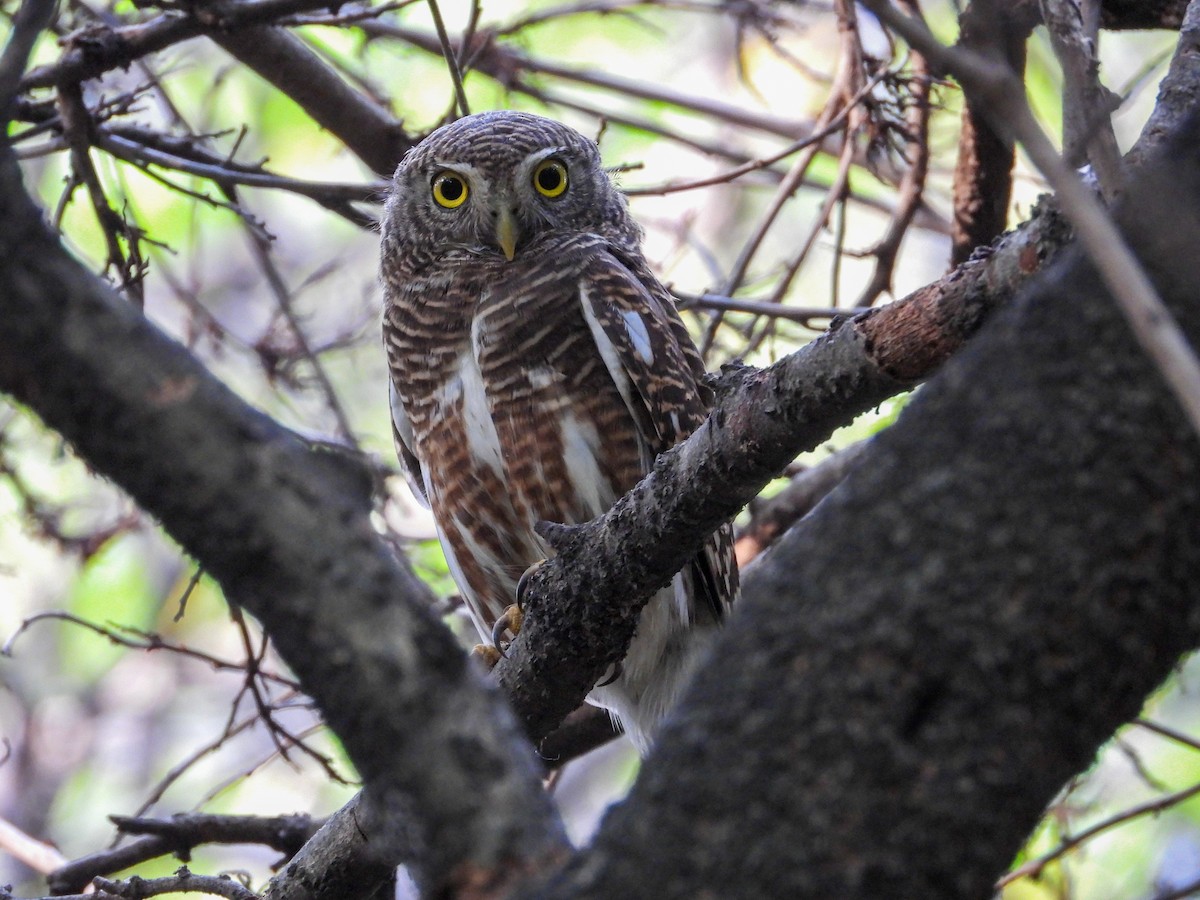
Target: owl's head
<point x="495" y="184"/>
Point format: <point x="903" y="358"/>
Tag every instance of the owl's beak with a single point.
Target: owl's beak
<point x="507" y="232"/>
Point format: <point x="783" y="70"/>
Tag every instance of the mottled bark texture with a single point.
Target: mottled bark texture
<point x="922" y="663"/>
<point x="287" y="533"/>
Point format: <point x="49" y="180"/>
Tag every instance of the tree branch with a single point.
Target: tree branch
<point x="920" y="665"/>
<point x="178" y="836"/>
<point x="582" y="605"/>
<point x="367" y="129"/>
<point x="286" y="531"/>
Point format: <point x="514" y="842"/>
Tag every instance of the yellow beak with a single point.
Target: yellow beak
<point x="507" y="232"/>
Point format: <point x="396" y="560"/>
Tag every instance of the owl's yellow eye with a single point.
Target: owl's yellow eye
<point x="550" y="178"/>
<point x="449" y="190"/>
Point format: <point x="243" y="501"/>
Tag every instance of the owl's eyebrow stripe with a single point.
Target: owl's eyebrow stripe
<point x="539" y="155"/>
<point x="461" y="168"/>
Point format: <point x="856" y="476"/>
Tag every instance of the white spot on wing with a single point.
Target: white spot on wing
<point x="612" y="360"/>
<point x="635" y="326"/>
<point x="581" y="444"/>
<point x="466" y="387"/>
<point x="618" y="373"/>
<point x="542" y="377"/>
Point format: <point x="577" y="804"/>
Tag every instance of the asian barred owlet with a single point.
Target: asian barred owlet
<point x="537" y="368"/>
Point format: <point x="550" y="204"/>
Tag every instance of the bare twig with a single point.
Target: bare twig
<point x="179" y="835"/>
<point x="38" y="855"/>
<point x="135" y="638"/>
<point x="1035" y="866"/>
<point x="802" y="314"/>
<point x="501" y="62"/>
<point x="1164" y="731"/>
<point x="78" y="129"/>
<point x="1087" y="105"/>
<point x="29" y="22"/>
<point x="1151" y="321"/>
<point x="451" y="57"/>
<point x="912" y="184"/>
<point x="283" y="298"/>
<point x="182" y="882"/>
<point x="140" y="146"/>
<point x="182" y="766"/>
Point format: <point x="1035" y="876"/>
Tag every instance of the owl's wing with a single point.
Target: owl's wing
<point x="402" y="434"/>
<point x="649" y="354"/>
<point x="633" y="331"/>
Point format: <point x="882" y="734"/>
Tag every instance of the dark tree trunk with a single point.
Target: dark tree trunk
<point x="918" y="667"/>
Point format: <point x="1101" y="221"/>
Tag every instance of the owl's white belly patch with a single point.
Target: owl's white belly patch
<point x="465" y="387"/>
<point x="581" y="446"/>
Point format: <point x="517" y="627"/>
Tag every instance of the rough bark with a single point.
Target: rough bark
<point x="287" y="533"/>
<point x="918" y="666"/>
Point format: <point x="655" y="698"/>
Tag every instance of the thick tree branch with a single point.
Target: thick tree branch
<point x="1088" y="135"/>
<point x="1130" y="287"/>
<point x="287" y="533"/>
<point x="367" y="129"/>
<point x="337" y="863"/>
<point x="1178" y="92"/>
<point x="91" y="52"/>
<point x="917" y="668"/>
<point x="583" y="604"/>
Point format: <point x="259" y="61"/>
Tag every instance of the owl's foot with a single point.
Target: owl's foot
<point x="510" y="620"/>
<point x="487" y="654"/>
<point x="523" y="583"/>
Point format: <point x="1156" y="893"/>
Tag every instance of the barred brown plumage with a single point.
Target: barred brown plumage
<point x="537" y="368"/>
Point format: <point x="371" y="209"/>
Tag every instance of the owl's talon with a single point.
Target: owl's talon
<point x="489" y="656"/>
<point x="523" y="582"/>
<point x="511" y="621"/>
<point x="616" y="673"/>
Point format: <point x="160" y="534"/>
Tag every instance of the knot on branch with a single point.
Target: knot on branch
<point x="560" y="537"/>
<point x="732" y="376"/>
<point x="95" y="42"/>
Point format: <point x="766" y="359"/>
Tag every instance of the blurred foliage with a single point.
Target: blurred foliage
<point x="93" y="727"/>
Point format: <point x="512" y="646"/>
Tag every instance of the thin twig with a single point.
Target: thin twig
<point x="1034" y="867"/>
<point x="182" y="882"/>
<point x="30" y="21"/>
<point x="1148" y="317"/>
<point x="754" y="165"/>
<point x="283" y="298"/>
<point x="136" y="639"/>
<point x="801" y="314"/>
<point x="451" y="58"/>
<point x="912" y="184"/>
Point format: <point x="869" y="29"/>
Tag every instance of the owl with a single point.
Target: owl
<point x="537" y="368"/>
